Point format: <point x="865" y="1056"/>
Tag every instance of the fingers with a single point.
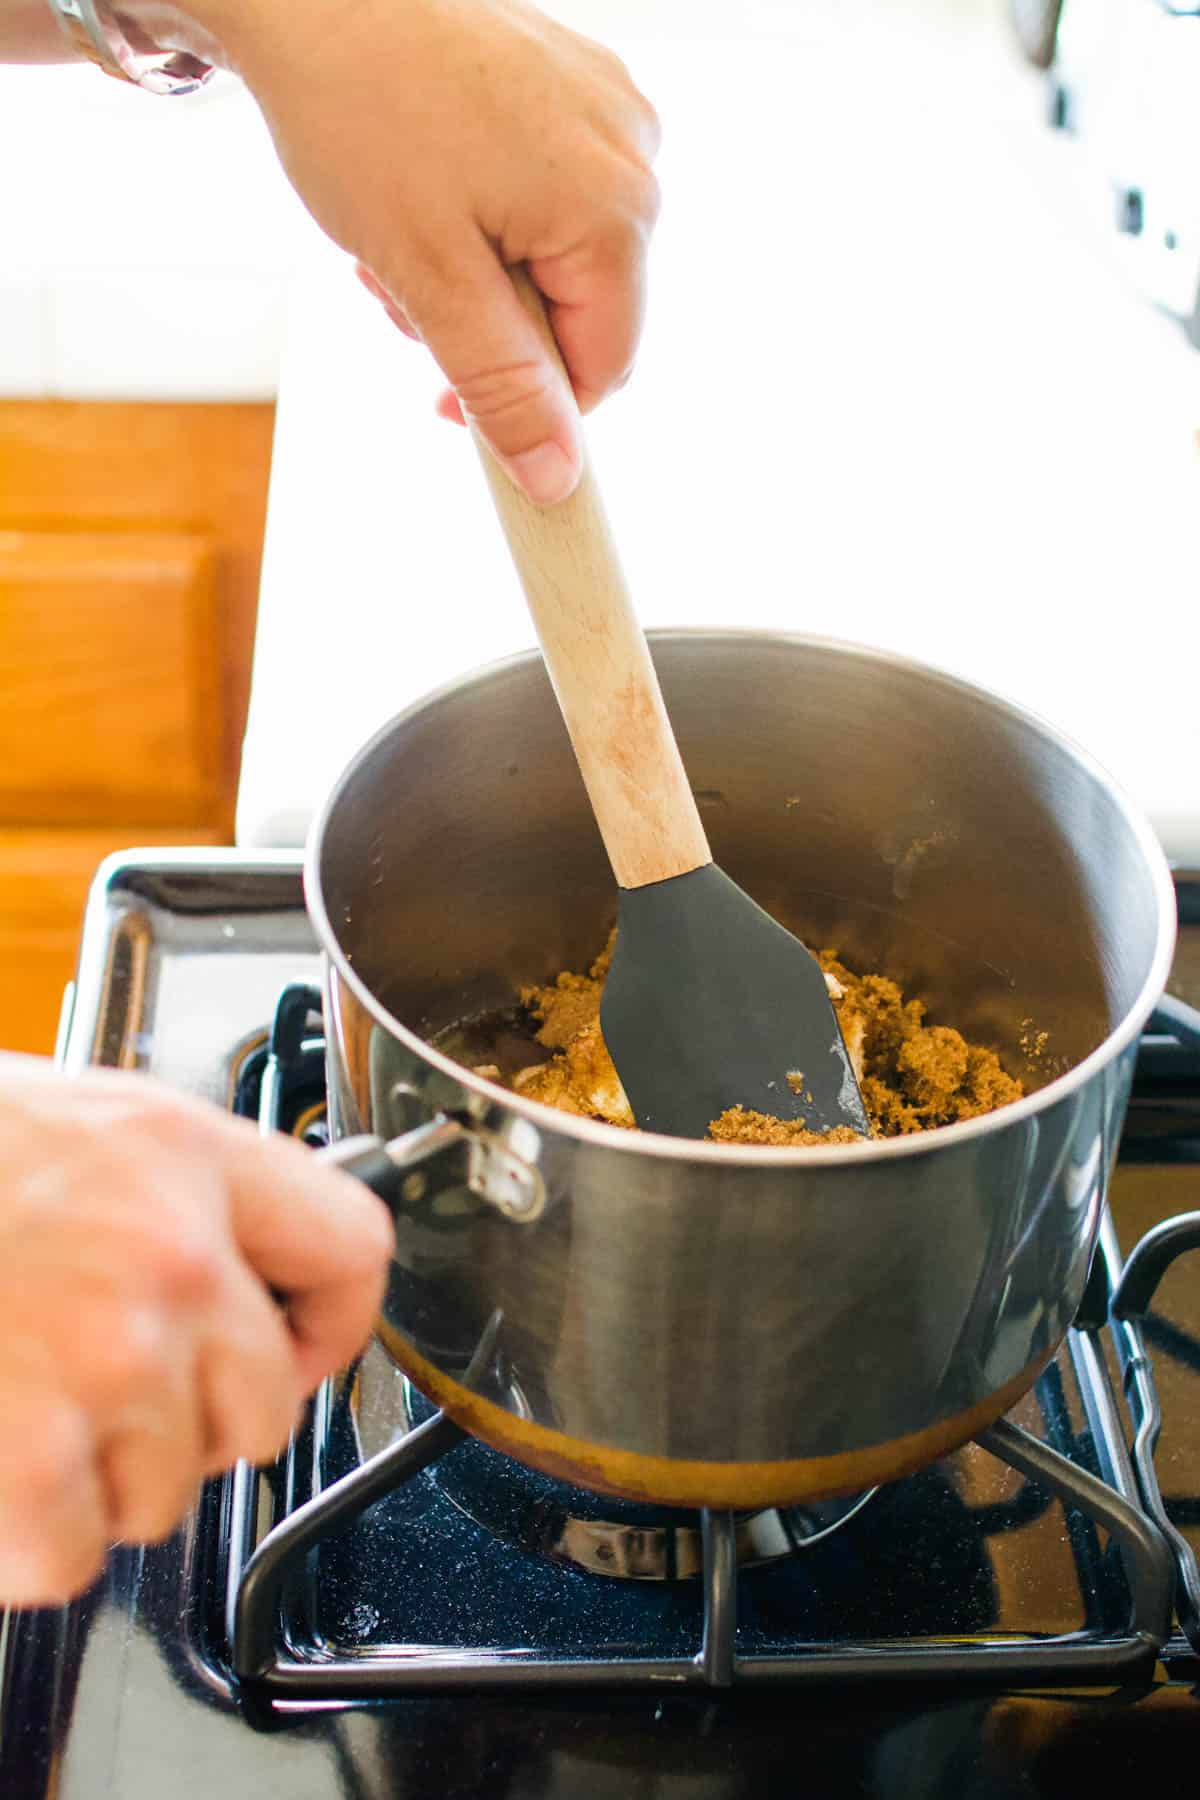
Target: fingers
<point x="134" y="1378"/>
<point x="597" y="297"/>
<point x="503" y="382"/>
<point x="467" y="311"/>
<point x="248" y="1380"/>
<point x="320" y="1237"/>
<point x="141" y="1237"/>
<point x="376" y="289"/>
<point x="330" y="1325"/>
<point x="150" y="1468"/>
<point x="53" y="1517"/>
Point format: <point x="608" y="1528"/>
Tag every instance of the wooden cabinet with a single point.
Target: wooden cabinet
<point x="130" y="540"/>
<point x="108" y="704"/>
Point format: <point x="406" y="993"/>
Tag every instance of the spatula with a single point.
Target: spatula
<point x="709" y="1003"/>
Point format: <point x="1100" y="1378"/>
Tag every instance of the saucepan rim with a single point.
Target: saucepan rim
<point x="614" y="1138"/>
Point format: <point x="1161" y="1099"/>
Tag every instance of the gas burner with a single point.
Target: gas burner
<point x="630" y="1539"/>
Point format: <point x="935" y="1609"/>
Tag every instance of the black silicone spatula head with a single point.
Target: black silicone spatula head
<point x="710" y="1003"/>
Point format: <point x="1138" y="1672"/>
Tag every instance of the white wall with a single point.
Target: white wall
<point x="145" y="243"/>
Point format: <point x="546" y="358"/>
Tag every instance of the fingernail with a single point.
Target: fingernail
<point x="546" y="474"/>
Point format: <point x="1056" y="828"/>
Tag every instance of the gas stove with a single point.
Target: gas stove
<point x="396" y="1609"/>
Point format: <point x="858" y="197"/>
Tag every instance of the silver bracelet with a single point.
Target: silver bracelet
<point x="94" y="32"/>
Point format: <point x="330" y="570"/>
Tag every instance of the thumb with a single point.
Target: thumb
<point x="509" y="387"/>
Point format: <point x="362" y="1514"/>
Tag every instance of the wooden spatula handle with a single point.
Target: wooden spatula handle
<point x="596" y="654"/>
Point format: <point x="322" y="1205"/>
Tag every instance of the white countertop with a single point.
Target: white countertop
<point x="894" y="387"/>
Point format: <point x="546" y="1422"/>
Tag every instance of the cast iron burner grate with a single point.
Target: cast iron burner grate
<point x="290" y="1564"/>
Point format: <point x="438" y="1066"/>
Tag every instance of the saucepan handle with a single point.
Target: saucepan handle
<point x="366" y="1158"/>
<point x="494" y="1171"/>
<point x="385" y="1167"/>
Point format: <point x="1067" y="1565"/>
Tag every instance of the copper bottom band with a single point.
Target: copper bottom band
<point x="672" y="1481"/>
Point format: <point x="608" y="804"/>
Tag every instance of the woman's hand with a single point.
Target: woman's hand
<point x="439" y="141"/>
<point x="140" y="1346"/>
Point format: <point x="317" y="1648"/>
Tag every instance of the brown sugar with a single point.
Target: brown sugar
<point x="914" y="1076"/>
<point x="571" y="1003"/>
<point x="932" y="1066"/>
<point x="581" y="1078"/>
<point x="740" y="1126"/>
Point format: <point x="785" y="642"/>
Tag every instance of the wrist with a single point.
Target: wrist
<point x="29" y="33"/>
<point x="160" y="25"/>
<point x="167" y="47"/>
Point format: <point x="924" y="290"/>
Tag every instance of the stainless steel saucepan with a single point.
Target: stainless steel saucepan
<point x="712" y="1324"/>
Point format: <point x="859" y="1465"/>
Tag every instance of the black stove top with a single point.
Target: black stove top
<point x="396" y="1610"/>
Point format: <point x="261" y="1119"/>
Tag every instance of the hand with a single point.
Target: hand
<point x="140" y="1348"/>
<point x="439" y="141"/>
